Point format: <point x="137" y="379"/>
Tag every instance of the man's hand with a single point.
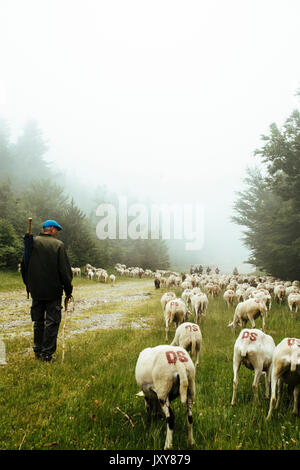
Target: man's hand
<point x="67" y="300"/>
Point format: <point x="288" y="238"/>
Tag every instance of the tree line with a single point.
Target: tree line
<point x="29" y="188"/>
<point x="269" y="207"/>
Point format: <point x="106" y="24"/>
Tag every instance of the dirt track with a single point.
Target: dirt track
<point x="89" y="302"/>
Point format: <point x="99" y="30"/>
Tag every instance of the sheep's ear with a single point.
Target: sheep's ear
<point x="140" y="394"/>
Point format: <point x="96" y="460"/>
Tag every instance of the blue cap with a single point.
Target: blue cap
<point x="52" y="223"/>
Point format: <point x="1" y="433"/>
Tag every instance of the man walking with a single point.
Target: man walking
<point x="49" y="274"/>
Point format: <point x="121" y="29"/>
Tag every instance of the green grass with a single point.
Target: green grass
<point x="88" y="401"/>
<point x="10" y="281"/>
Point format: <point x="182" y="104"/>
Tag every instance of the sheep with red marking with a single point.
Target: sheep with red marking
<point x="175" y="311"/>
<point x="285" y="369"/>
<point x="165" y="299"/>
<point x="188" y="336"/>
<point x="249" y="310"/>
<point x="254" y="349"/>
<point x="163" y="373"/>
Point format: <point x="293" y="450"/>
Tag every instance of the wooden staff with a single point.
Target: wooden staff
<point x="29" y="225"/>
<point x="67" y="301"/>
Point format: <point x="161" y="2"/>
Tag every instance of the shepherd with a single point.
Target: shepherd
<point x="48" y="275"/>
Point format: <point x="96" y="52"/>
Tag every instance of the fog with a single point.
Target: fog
<point x="164" y="100"/>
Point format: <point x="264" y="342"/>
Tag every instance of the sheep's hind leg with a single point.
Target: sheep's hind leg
<point x="236" y="368"/>
<point x="165" y="405"/>
<point x="191" y="441"/>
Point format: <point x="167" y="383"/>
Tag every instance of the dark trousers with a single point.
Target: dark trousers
<point x="46" y="316"/>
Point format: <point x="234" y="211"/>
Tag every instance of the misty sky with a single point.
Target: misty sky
<point x="167" y="98"/>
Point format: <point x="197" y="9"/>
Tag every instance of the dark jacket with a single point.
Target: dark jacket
<point x="49" y="270"/>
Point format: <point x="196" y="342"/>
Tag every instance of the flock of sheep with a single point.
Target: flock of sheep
<point x="167" y="371"/>
<point x="91" y="272"/>
<point x="101" y="274"/>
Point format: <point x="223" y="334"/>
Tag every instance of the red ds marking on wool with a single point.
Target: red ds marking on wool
<point x="292" y="341"/>
<point x="252" y="335"/>
<point x="172" y="356"/>
<point x="192" y="327"/>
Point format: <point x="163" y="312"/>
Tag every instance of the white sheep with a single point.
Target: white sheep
<point x="171" y="281"/>
<point x="279" y="293"/>
<point x="165" y="299"/>
<point x="196" y="290"/>
<point x="210" y="288"/>
<point x="103" y="275"/>
<point x="254" y="349"/>
<point x="199" y="304"/>
<point x="175" y="311"/>
<point x="229" y="297"/>
<point x="87" y="267"/>
<point x="186" y="297"/>
<point x="264" y="296"/>
<point x="291" y="290"/>
<point x="90" y="274"/>
<point x="248" y="293"/>
<point x="186" y="285"/>
<point x="241" y="294"/>
<point x="250" y="309"/>
<point x="294" y="301"/>
<point x="163" y="373"/>
<point x="112" y="279"/>
<point x="285" y="368"/>
<point x="76" y="271"/>
<point x="188" y="336"/>
<point x="213" y="289"/>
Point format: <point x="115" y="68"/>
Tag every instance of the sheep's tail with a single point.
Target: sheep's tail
<point x="184" y="383"/>
<point x="294" y="362"/>
<point x="293" y="366"/>
<point x="244" y="351"/>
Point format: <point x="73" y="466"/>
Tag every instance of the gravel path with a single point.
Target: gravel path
<point x="89" y="301"/>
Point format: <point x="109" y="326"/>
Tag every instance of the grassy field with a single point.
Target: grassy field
<point x="88" y="401"/>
